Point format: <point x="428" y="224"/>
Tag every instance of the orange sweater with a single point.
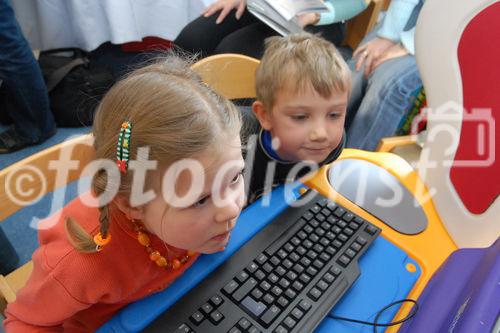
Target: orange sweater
<point x="77" y="292"/>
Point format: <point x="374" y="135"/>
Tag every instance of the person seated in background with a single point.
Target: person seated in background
<point x="25" y="101"/>
<point x="385" y="76"/>
<point x="302" y="85"/>
<point x="227" y="27"/>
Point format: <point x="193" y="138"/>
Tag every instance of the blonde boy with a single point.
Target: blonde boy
<point x="302" y="86"/>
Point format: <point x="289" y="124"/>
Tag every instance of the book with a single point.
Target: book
<point x="281" y="15"/>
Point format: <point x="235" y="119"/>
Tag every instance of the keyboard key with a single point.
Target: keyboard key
<point x="301" y="250"/>
<point x="305" y="262"/>
<point x="216" y="317"/>
<point x="253" y="329"/>
<point x="314" y="293"/>
<point x="348" y="231"/>
<point x="348" y="217"/>
<point x="314" y="222"/>
<point x="311" y="255"/>
<point x="234" y="330"/>
<point x="298" y="286"/>
<point x="313" y="238"/>
<point x="329" y="278"/>
<point x="344" y="260"/>
<point x="284" y="283"/>
<point x="207" y="308"/>
<point x="320" y="217"/>
<point x="326" y="225"/>
<point x="307" y="244"/>
<point x="257" y="294"/>
<point x="336" y="229"/>
<point x="305" y="278"/>
<point x="261" y="259"/>
<point x="252" y="267"/>
<point x="216" y="300"/>
<point x="308" y="216"/>
<point x="359" y="219"/>
<point x="273" y="278"/>
<point x="280" y="270"/>
<point x="324" y="241"/>
<point x="287" y="264"/>
<point x="244" y="289"/>
<point x="294" y="257"/>
<point x="325" y="256"/>
<point x="337" y="244"/>
<point x="290" y="294"/>
<point x="230" y="287"/>
<point x="282" y="301"/>
<point x="242" y="276"/>
<point x="268" y="298"/>
<point x="302" y="235"/>
<point x="244" y="324"/>
<point x="291" y="275"/>
<point x="311" y="271"/>
<point x="298" y="268"/>
<point x="339" y="212"/>
<point x="267" y="267"/>
<point x="275" y="261"/>
<point x="289" y="247"/>
<point x="297" y="314"/>
<point x="260" y="275"/>
<point x="343" y="238"/>
<point x="331" y="250"/>
<point x="319" y="231"/>
<point x="355" y="246"/>
<point x="341" y="224"/>
<point x="318" y="248"/>
<point x="315" y="209"/>
<point x="322" y="285"/>
<point x="270" y="314"/>
<point x="277" y="291"/>
<point x="318" y="264"/>
<point x="353" y="225"/>
<point x="371" y="229"/>
<point x="331" y="206"/>
<point x="256" y="308"/>
<point x="350" y="253"/>
<point x="335" y="270"/>
<point x="289" y="322"/>
<point x="308" y="229"/>
<point x="184" y="328"/>
<point x="280" y="329"/>
<point x="295" y="241"/>
<point x="305" y="305"/>
<point x="264" y="285"/>
<point x="282" y="254"/>
<point x="330" y="236"/>
<point x="197" y="317"/>
<point x="322" y="202"/>
<point x="361" y="240"/>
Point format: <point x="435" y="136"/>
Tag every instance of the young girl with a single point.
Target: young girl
<point x="94" y="261"/>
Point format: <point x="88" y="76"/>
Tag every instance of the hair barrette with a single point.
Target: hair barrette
<point x="123" y="147"/>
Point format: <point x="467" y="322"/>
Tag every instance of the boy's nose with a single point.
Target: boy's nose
<point x="318" y="133"/>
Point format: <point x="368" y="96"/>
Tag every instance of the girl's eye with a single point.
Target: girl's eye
<point x="237" y="178"/>
<point x="202" y="202"/>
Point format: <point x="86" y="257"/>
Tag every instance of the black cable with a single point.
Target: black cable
<point x="375" y="323"/>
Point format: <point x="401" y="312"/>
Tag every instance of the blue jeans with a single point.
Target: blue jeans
<point x="378" y="103"/>
<point x="28" y="102"/>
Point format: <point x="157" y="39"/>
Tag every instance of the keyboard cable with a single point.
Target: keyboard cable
<point x="375" y="323"/>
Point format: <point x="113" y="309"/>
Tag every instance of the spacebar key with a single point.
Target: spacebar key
<point x="256" y="308"/>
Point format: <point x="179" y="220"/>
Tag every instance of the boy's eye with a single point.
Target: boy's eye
<point x="333" y="115"/>
<point x="201" y="202"/>
<point x="298" y="117"/>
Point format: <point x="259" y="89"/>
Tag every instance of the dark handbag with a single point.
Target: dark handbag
<point x="74" y="84"/>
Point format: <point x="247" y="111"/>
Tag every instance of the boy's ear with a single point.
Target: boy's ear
<point x="262" y="115"/>
<point x="132" y="213"/>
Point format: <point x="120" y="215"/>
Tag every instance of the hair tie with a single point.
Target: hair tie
<point x="123" y="147"/>
<point x="101" y="241"/>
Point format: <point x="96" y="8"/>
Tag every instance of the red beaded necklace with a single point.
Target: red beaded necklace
<point x="155" y="255"/>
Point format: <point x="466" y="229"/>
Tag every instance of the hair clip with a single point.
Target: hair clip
<point x="123" y="147"/>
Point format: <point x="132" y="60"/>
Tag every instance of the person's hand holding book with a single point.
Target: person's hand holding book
<point x="225" y="6"/>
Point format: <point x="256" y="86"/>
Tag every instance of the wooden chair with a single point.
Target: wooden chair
<point x="81" y="150"/>
<point x="231" y="75"/>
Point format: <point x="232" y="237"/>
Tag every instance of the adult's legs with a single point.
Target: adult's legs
<point x="28" y="105"/>
<point x="203" y="35"/>
<point x="386" y="99"/>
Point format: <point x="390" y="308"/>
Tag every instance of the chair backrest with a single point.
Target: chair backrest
<point x="360" y="25"/>
<point x="231" y="75"/>
<point x="27" y="181"/>
<point x="457" y="56"/>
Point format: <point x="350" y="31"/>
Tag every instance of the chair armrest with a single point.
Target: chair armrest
<point x="12" y="283"/>
<point x="389" y="143"/>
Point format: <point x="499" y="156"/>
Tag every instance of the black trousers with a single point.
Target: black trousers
<point x="244" y="36"/>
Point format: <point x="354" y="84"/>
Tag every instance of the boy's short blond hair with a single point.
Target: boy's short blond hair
<point x="298" y="61"/>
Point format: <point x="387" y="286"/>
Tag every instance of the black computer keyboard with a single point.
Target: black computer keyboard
<point x="285" y="279"/>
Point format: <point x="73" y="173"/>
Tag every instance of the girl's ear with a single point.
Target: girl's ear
<point x="261" y="114"/>
<point x="132" y="213"/>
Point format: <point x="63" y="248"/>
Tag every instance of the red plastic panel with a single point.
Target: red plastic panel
<point x="479" y="59"/>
